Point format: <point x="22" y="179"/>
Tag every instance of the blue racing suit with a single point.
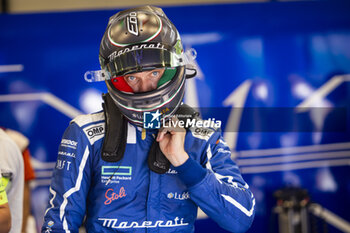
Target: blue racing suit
<point x="127" y="196"/>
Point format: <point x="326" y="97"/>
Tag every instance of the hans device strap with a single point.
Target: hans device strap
<point x="157" y="161"/>
<point x="116" y="131"/>
<point x="116" y="136"/>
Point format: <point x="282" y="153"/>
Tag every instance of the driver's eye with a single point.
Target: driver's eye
<point x="155" y="73"/>
<point x="131" y="78"/>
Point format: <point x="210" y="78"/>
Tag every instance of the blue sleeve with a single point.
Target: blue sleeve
<point x="69" y="184"/>
<point x="218" y="188"/>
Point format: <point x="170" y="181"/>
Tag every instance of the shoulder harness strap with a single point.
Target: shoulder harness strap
<point x="116" y="131"/>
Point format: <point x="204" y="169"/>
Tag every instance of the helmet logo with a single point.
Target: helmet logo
<point x="126" y="30"/>
<point x="131" y="22"/>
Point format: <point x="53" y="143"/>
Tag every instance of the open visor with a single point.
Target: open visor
<point x="120" y="84"/>
<point x="142" y="59"/>
<point x="131" y="61"/>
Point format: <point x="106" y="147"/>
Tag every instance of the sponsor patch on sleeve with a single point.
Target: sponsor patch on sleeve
<point x="69" y="143"/>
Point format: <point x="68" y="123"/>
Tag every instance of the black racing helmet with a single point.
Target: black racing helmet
<point x="141" y="39"/>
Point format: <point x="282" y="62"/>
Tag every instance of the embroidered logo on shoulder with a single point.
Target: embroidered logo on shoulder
<point x="202" y="133"/>
<point x="95" y="132"/>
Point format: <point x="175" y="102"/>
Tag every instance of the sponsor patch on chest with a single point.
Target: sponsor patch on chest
<point x="115" y="174"/>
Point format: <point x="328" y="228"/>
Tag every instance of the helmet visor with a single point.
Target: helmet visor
<point x="130" y="61"/>
<point x="120" y="84"/>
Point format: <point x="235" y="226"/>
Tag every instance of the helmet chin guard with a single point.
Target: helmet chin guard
<point x="137" y="40"/>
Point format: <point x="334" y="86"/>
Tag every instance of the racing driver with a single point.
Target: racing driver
<point x="119" y="170"/>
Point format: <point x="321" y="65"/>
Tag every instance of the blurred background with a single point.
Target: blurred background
<point x="284" y="56"/>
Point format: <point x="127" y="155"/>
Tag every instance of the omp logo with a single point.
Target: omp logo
<point x="94" y="131"/>
<point x="131" y="22"/>
<point x="203" y="131"/>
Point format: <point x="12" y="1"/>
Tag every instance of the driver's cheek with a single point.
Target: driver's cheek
<point x="135" y="87"/>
